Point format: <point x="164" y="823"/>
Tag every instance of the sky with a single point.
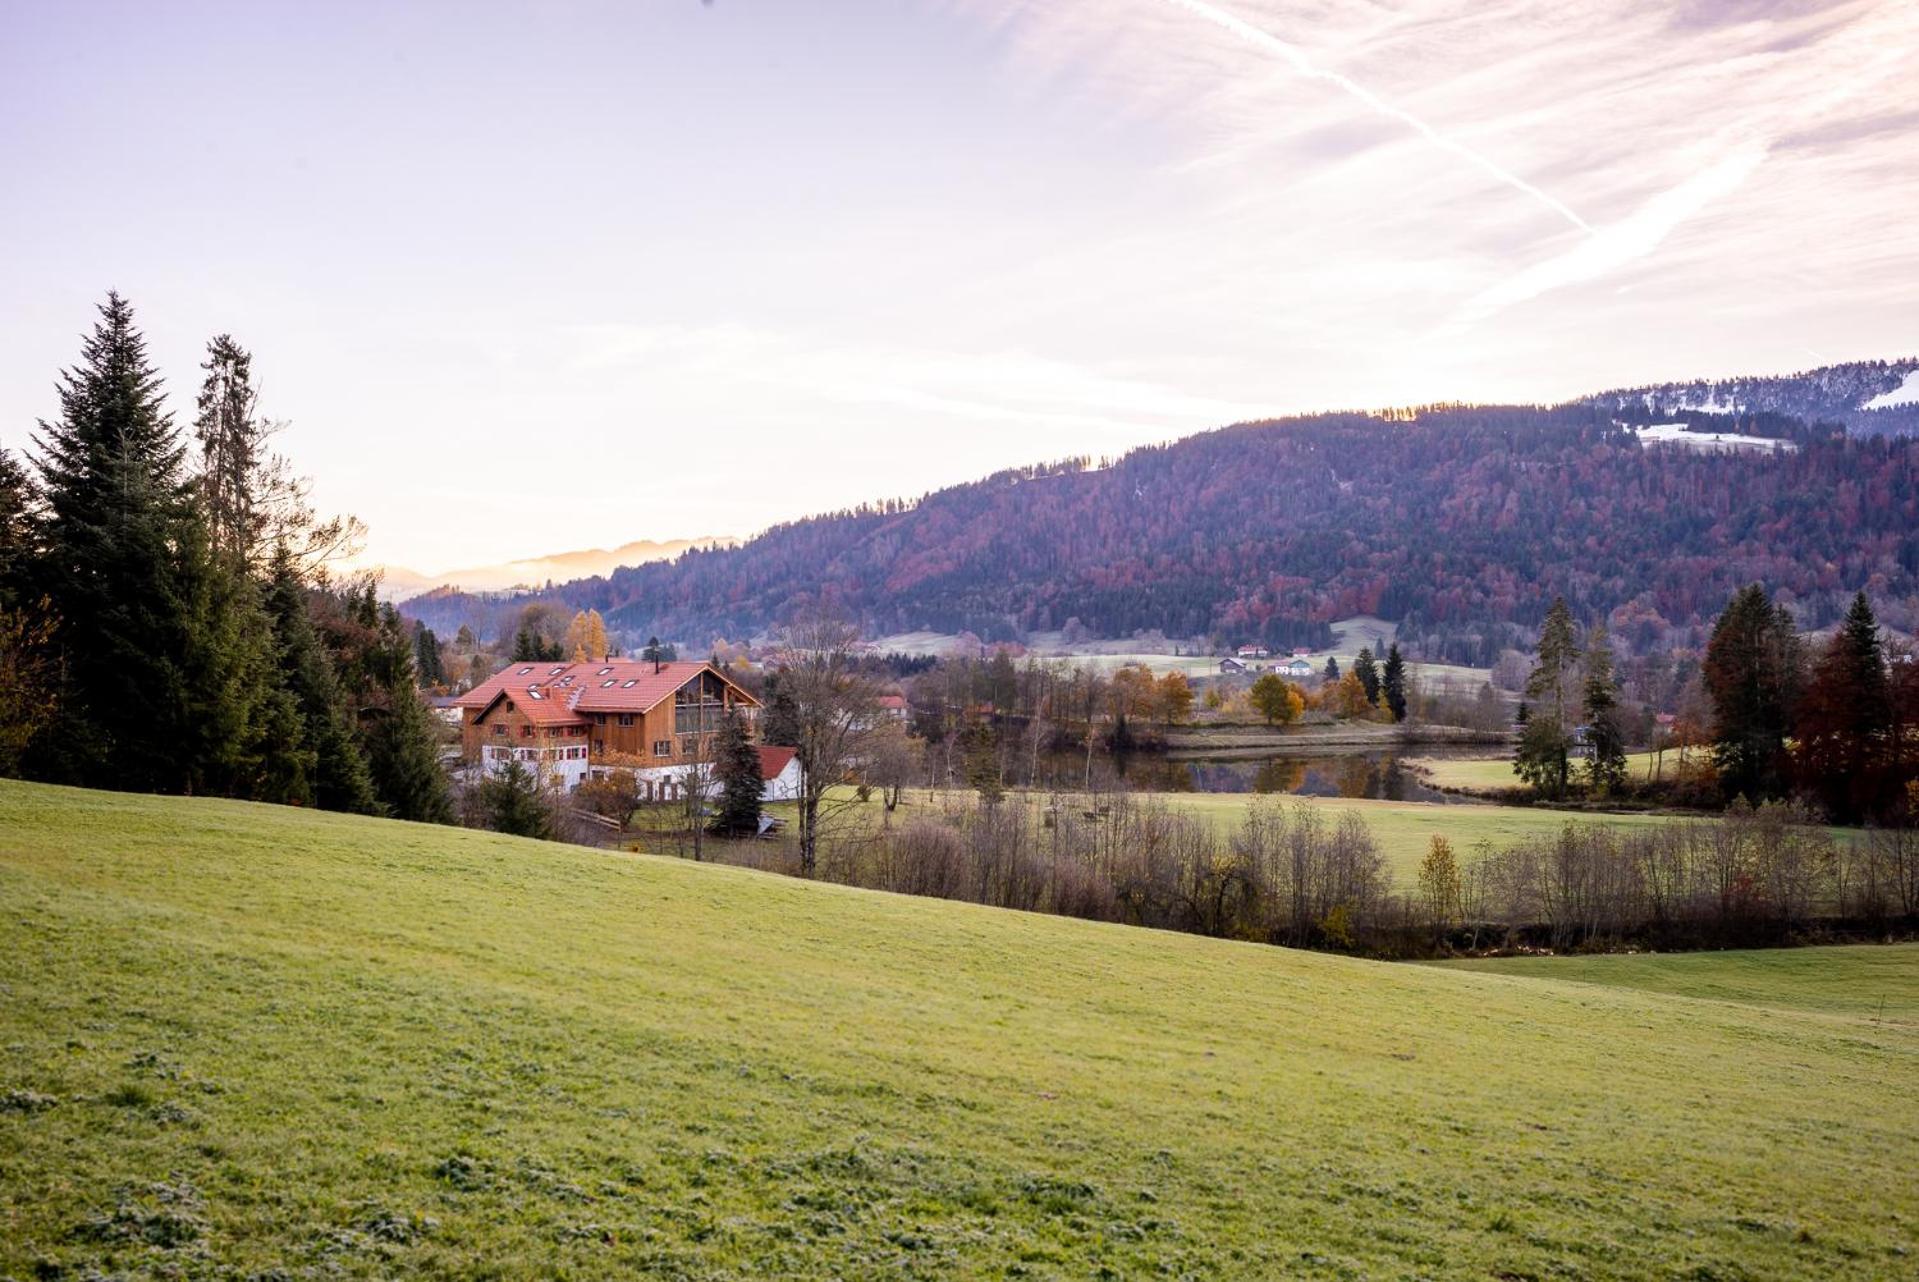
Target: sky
<point x="523" y="278"/>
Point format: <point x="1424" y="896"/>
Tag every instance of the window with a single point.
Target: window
<point x="629" y="683"/>
<point x="524" y="671"/>
<point x="554" y="672"/>
<point x="526" y="732"/>
<point x="662" y="747"/>
<point x="626" y="718"/>
<point x="700" y="705"/>
<point x="599" y="746"/>
<point x="606" y="685"/>
<point x="499" y="729"/>
<point x="602" y="672"/>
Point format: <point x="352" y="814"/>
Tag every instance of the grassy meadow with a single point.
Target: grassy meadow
<point x="1403" y="829"/>
<point x="249" y="1042"/>
<point x="1495" y="774"/>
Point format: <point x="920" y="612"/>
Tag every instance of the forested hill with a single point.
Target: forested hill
<point x="1868" y="398"/>
<point x="1447" y="519"/>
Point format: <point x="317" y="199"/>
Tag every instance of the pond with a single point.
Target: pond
<point x="1377" y="775"/>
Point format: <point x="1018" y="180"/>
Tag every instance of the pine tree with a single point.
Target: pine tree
<point x="1606" y="741"/>
<point x="1557" y="660"/>
<point x="326" y="749"/>
<point x="1393" y="683"/>
<point x="1752" y="675"/>
<point x="402" y="750"/>
<point x="1331" y="675"/>
<point x="1842" y="727"/>
<point x="116" y="517"/>
<point x="781" y="722"/>
<point x="1368" y="673"/>
<point x="232" y="450"/>
<point x="512" y="803"/>
<point x="736" y="767"/>
<point x="16" y="531"/>
<point x="426" y="656"/>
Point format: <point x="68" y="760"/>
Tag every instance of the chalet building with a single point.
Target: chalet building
<point x="1297" y="667"/>
<point x="571" y="721"/>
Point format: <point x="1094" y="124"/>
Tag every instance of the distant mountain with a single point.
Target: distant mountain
<point x="1867" y="398"/>
<point x="400" y="584"/>
<point x="1460" y="523"/>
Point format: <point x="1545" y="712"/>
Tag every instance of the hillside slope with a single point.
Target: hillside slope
<point x="1456" y="523"/>
<point x="237" y="1039"/>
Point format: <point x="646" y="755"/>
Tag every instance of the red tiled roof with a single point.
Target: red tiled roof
<point x="602" y="685"/>
<point x="773" y="760"/>
<point x="892" y="702"/>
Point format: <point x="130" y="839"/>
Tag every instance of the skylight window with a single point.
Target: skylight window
<point x="629" y="683"/>
<point x="524" y="671"/>
<point x="554" y="672"/>
<point x="604" y="671"/>
<point x="606" y="685"/>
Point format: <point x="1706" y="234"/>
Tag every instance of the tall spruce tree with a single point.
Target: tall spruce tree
<point x="325" y="754"/>
<point x="1544" y="756"/>
<point x="117" y="518"/>
<point x="1842" y="728"/>
<point x="736" y="767"/>
<point x="1393" y="683"/>
<point x="1368" y="673"/>
<point x="1605" y="739"/>
<point x="16" y="531"/>
<point x="1752" y="675"/>
<point x="403" y="752"/>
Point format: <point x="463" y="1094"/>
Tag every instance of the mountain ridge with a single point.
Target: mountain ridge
<point x="1461" y="522"/>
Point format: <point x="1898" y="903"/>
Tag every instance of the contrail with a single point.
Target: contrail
<point x="1305" y="67"/>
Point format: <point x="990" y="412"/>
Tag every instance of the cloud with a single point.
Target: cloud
<point x="1625" y="241"/>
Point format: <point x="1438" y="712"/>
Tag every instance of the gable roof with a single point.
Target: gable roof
<point x="774" y="759"/>
<point x="602" y="685"/>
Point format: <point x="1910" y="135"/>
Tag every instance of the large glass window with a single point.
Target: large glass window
<point x="700" y="705"/>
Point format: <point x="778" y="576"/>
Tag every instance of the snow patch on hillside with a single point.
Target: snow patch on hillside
<point x="1710" y="442"/>
<point x="1907" y="393"/>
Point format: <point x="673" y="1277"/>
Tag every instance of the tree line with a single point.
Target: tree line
<point x="1833" y="724"/>
<point x="168" y="621"/>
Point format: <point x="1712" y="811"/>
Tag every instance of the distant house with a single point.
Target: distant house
<point x="1301" y="652"/>
<point x="569" y="721"/>
<point x="894" y="706"/>
<point x="779" y="773"/>
<point x="1253" y="652"/>
<point x="1229" y="666"/>
<point x="446" y="707"/>
<point x="1296" y="667"/>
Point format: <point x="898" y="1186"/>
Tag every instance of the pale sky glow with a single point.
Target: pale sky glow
<point x="533" y="277"/>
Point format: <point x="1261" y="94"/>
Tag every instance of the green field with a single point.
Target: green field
<point x="1495" y="774"/>
<point x="1403" y="829"/>
<point x="248" y="1042"/>
<point x="1878" y="982"/>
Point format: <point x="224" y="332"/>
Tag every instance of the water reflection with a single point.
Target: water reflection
<point x="1375" y="775"/>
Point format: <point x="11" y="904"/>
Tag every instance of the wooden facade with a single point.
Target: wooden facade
<point x="568" y="721"/>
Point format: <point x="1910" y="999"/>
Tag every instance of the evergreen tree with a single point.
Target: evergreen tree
<point x="1752" y="676"/>
<point x="402" y="749"/>
<point x="1543" y="755"/>
<point x="232" y="450"/>
<point x="780" y="724"/>
<point x="426" y="656"/>
<point x="1605" y="740"/>
<point x="1331" y="675"/>
<point x="1368" y="673"/>
<point x="736" y="767"/>
<point x="1842" y="740"/>
<point x="116" y="521"/>
<point x="1393" y="683"/>
<point x="512" y="803"/>
<point x="16" y="531"/>
<point x="325" y="751"/>
<point x="1557" y="660"/>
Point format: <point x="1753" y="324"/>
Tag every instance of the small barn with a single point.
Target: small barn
<point x="779" y="773"/>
